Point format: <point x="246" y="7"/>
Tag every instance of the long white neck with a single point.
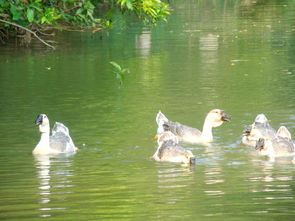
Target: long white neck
<point x="43" y="146"/>
<point x="207" y="135"/>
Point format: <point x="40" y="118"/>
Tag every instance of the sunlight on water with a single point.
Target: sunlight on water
<point x="233" y="55"/>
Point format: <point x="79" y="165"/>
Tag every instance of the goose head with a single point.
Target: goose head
<point x="265" y="147"/>
<point x="281" y="144"/>
<point x="259" y="129"/>
<point x="260" y="144"/>
<point x="43" y="122"/>
<point x="216" y="117"/>
<point x="253" y="132"/>
<point x="256" y="131"/>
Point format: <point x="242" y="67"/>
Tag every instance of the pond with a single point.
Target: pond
<point x="231" y="55"/>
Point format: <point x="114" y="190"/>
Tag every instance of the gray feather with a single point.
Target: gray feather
<point x="60" y="139"/>
<point x="170" y="149"/>
<point x="180" y="130"/>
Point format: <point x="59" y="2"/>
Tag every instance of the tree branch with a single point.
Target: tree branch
<point x="19" y="26"/>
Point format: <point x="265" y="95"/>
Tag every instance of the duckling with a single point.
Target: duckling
<point x="259" y="129"/>
<point x="59" y="142"/>
<point x="214" y="118"/>
<point x="168" y="150"/>
<point x="281" y="145"/>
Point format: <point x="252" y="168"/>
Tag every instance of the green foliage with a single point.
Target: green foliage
<point x="30" y="16"/>
<point x="80" y="13"/>
<point x="150" y="10"/>
<point x="25" y="12"/>
<point x="119" y="72"/>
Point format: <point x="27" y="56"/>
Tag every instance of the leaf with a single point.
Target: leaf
<point x="119" y="76"/>
<point x="30" y="15"/>
<point x="14" y="11"/>
<point x="79" y="11"/>
<point x="4" y="3"/>
<point x="37" y="7"/>
<point x="43" y="20"/>
<point x="122" y="3"/>
<point x="125" y="70"/>
<point x="117" y="66"/>
<point x="129" y="4"/>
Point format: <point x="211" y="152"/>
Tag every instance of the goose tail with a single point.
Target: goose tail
<point x="161" y="122"/>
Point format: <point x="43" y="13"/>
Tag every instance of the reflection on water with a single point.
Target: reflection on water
<point x="143" y="43"/>
<point x="213" y="175"/>
<point x="271" y="186"/>
<point x="54" y="173"/>
<point x="211" y="54"/>
<point x="174" y="188"/>
<point x="214" y="171"/>
<point x="209" y="46"/>
<point x="209" y="42"/>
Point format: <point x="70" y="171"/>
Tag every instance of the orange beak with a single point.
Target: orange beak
<point x="155" y="137"/>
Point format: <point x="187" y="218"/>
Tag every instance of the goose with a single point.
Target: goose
<point x="259" y="129"/>
<point x="59" y="142"/>
<point x="169" y="151"/>
<point x="280" y="145"/>
<point x="214" y="118"/>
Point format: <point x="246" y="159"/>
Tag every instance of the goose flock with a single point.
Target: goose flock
<point x="260" y="135"/>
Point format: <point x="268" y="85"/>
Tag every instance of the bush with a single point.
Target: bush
<point x="18" y="17"/>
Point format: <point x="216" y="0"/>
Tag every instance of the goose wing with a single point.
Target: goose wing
<point x="170" y="149"/>
<point x="180" y="129"/>
<point x="60" y="139"/>
<point x="283" y="145"/>
<point x="265" y="129"/>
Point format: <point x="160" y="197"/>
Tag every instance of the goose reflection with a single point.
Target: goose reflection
<point x="54" y="175"/>
<point x="213" y="173"/>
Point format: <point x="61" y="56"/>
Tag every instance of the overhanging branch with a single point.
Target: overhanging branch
<point x="24" y="28"/>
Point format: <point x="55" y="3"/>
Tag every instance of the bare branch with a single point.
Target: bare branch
<point x="28" y="30"/>
<point x="98" y="29"/>
<point x="4" y="15"/>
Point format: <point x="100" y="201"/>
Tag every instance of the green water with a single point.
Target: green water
<point x="211" y="54"/>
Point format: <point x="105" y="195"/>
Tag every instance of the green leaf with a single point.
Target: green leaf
<point x="30" y="15"/>
<point x="125" y="70"/>
<point x="37" y="7"/>
<point x="129" y="4"/>
<point x="15" y="14"/>
<point x="117" y="66"/>
<point x="4" y="3"/>
<point x="79" y="11"/>
<point x="44" y="20"/>
<point x="122" y="3"/>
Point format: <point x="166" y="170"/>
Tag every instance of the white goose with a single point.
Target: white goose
<point x="259" y="129"/>
<point x="59" y="142"/>
<point x="169" y="151"/>
<point x="281" y="145"/>
<point x="214" y="118"/>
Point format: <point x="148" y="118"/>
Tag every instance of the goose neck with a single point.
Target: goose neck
<point x="207" y="132"/>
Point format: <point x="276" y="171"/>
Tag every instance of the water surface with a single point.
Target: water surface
<point x="211" y="54"/>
